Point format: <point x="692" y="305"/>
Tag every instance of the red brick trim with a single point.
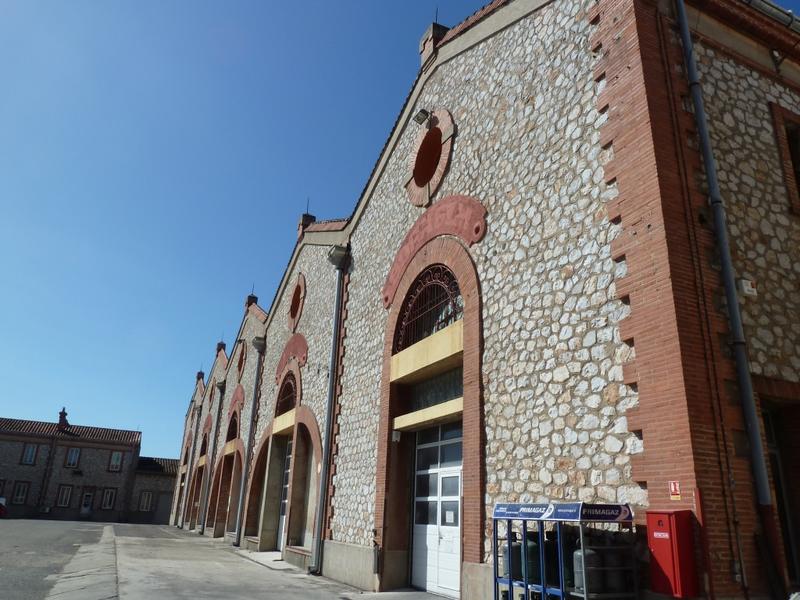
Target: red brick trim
<point x="776" y="388"/>
<point x="258" y="312"/>
<point x="680" y="367"/>
<point x="296" y="302"/>
<point x="237" y="403"/>
<point x="454" y="255"/>
<point x="304" y="416"/>
<point x="293" y="368"/>
<point x="222" y="358"/>
<point x="337" y="408"/>
<point x="780" y="117"/>
<point x="207" y="424"/>
<point x="420" y="192"/>
<point x="459" y="216"/>
<point x="213" y="392"/>
<point x="296" y="348"/>
<point x="767" y="31"/>
<point x="187" y="447"/>
<point x="240" y="364"/>
<point x="331" y="225"/>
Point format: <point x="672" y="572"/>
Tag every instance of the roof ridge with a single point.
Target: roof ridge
<point x="471" y="20"/>
<point x="68" y="426"/>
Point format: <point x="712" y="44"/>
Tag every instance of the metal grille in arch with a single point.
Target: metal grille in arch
<point x="433" y="302"/>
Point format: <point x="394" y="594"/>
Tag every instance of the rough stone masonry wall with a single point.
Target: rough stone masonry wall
<point x="316" y="325"/>
<point x="527" y="146"/>
<point x="192" y="415"/>
<point x="150" y="482"/>
<point x="218" y="373"/>
<point x="764" y="233"/>
<point x="93" y="465"/>
<point x="11" y="470"/>
<point x="251" y="327"/>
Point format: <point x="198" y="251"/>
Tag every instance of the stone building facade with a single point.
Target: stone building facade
<point x="64" y="471"/>
<point x="526" y="305"/>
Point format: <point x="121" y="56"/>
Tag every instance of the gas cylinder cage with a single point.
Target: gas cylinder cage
<point x="565" y="550"/>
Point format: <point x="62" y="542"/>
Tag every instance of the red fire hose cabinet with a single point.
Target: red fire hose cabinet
<point x="670" y="537"/>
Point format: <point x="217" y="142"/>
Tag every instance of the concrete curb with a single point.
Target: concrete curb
<point x="91" y="574"/>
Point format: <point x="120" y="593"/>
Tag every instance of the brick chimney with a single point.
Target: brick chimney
<point x="220" y="347"/>
<point x="305" y="220"/>
<point x="427" y="45"/>
<point x="62" y="419"/>
<point x="251" y="299"/>
<point x="200" y="376"/>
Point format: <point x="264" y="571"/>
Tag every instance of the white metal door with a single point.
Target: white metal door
<point x="287" y="464"/>
<point x="436" y="552"/>
<point x="86" y="503"/>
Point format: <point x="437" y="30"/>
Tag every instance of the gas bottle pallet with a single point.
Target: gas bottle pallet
<point x="559" y="557"/>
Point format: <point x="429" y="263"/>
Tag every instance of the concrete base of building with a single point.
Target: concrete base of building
<point x="298" y="557"/>
<point x="350" y="564"/>
<point x="251" y="543"/>
<point x="476" y="581"/>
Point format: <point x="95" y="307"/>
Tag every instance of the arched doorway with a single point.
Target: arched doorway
<point x="256" y="488"/>
<point x="197" y="483"/>
<point x="304" y="487"/>
<point x="194" y="498"/>
<point x="429" y="488"/>
<point x="211" y="512"/>
<point x="227" y="487"/>
<point x="276" y="502"/>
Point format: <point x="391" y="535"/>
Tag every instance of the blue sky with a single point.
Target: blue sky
<point x="155" y="157"/>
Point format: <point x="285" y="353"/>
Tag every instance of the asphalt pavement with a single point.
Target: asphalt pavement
<point x="33" y="552"/>
<point x="67" y="560"/>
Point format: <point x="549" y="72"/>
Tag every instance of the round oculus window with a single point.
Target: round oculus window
<point x="297" y="296"/>
<point x="428" y="156"/>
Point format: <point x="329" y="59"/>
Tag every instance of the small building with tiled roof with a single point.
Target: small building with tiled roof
<point x="64" y="471"/>
<point x="153" y="484"/>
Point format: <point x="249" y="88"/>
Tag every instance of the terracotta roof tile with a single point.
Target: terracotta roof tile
<point x="156" y="466"/>
<point x="75" y="432"/>
<point x="331" y="225"/>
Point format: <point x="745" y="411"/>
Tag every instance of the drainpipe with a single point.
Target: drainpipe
<point x="260" y="344"/>
<point x="738" y="341"/>
<point x="190" y="466"/>
<point x="339" y="256"/>
<point x="48" y="470"/>
<point x="213" y="442"/>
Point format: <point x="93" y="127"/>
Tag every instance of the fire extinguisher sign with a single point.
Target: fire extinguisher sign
<point x="674" y="490"/>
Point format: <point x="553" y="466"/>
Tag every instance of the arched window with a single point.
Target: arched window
<point x="433" y="302"/>
<point x="186" y="455"/>
<point x="233" y="429"/>
<point x="204" y="445"/>
<point x="287" y="395"/>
